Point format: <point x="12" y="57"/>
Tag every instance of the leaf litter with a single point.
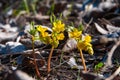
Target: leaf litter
<point x="16" y="47"/>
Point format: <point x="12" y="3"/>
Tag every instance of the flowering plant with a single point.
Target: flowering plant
<point x="83" y="43"/>
<point x="52" y="38"/>
<point x="33" y="32"/>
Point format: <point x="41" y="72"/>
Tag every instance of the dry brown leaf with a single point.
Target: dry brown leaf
<point x="114" y="74"/>
<point x="20" y="75"/>
<point x="70" y="45"/>
<point x="100" y="29"/>
<point x="112" y="28"/>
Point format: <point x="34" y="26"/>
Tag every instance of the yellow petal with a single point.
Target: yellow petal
<point x="81" y="45"/>
<point x="58" y="26"/>
<point x="90" y="51"/>
<point x="45" y="34"/>
<point x="87" y="38"/>
<point x="41" y="29"/>
<point x="60" y="36"/>
<point x="75" y="33"/>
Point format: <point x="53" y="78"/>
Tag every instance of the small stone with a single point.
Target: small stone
<point x="2" y="49"/>
<point x="28" y="43"/>
<point x="13" y="47"/>
<point x="7" y="36"/>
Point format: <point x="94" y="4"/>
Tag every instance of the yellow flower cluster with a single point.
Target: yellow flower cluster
<point x="42" y="31"/>
<point x="75" y="34"/>
<point x="60" y="36"/>
<point x="83" y="44"/>
<point x="55" y="36"/>
<point x="58" y="26"/>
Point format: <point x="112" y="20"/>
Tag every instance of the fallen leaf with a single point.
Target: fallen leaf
<point x="100" y="29"/>
<point x="112" y="28"/>
<point x="70" y="45"/>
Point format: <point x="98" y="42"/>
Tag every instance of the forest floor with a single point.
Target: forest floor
<point x="101" y="22"/>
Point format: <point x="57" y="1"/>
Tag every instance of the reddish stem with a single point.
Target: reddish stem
<point x="49" y="59"/>
<point x="34" y="59"/>
<point x="83" y="60"/>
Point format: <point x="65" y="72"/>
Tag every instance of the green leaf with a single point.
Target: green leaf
<point x="32" y="29"/>
<point x="61" y="15"/>
<point x="52" y="8"/>
<point x="80" y="27"/>
<point x="51" y="19"/>
<point x="99" y="65"/>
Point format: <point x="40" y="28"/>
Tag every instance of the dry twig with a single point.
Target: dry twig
<point x="110" y="54"/>
<point x="114" y="74"/>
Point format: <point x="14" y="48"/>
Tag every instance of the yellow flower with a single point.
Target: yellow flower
<point x="90" y="50"/>
<point x="41" y="29"/>
<point x="85" y="44"/>
<point x="45" y="34"/>
<point x="87" y="38"/>
<point x="58" y="26"/>
<point x="81" y="45"/>
<point x="60" y="36"/>
<point x="75" y="33"/>
<point x="47" y="39"/>
<point x="55" y="38"/>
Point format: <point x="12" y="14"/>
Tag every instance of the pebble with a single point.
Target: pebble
<point x="2" y="49"/>
<point x="13" y="47"/>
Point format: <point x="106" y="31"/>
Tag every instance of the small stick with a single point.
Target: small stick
<point x="114" y="74"/>
<point x="109" y="59"/>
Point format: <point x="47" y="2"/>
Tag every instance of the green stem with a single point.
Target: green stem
<point x="83" y="60"/>
<point x="61" y="57"/>
<point x="33" y="8"/>
<point x="26" y="6"/>
<point x="34" y="58"/>
<point x="49" y="59"/>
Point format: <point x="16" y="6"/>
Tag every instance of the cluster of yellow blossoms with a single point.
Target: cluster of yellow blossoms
<point x="83" y="42"/>
<point x="56" y="35"/>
